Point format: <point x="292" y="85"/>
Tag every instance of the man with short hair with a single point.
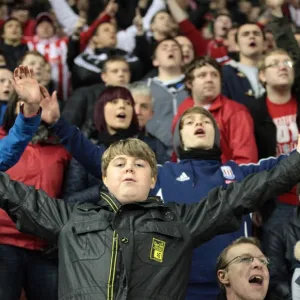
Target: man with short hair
<point x="143" y="106"/>
<point x="88" y="65"/>
<point x="240" y="79"/>
<point x="167" y="89"/>
<point x="242" y="271"/>
<point x="203" y="81"/>
<point x="79" y="109"/>
<point x="11" y="42"/>
<point x="215" y="47"/>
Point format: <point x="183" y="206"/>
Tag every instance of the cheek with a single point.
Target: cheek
<point x="109" y="114"/>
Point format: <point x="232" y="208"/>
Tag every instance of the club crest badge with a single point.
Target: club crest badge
<point x="227" y="172"/>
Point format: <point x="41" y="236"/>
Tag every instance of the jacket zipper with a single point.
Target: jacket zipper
<point x="113" y="263"/>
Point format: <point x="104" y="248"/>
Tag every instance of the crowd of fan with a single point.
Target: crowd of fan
<point x="132" y="69"/>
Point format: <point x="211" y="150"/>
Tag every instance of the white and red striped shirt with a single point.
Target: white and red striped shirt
<point x="55" y="51"/>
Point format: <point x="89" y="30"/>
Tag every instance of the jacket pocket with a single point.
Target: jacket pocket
<point x="159" y="244"/>
<point x="90" y="240"/>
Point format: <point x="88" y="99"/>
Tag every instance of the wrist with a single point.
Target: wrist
<point x="29" y="110"/>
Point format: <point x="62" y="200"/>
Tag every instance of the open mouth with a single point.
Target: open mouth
<point x="200" y="132"/>
<point x="256" y="280"/>
<point x="252" y="45"/>
<point x="6" y="93"/>
<point x="121" y="116"/>
<point x="170" y="56"/>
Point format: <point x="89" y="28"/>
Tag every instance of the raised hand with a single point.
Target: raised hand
<point x="26" y="85"/>
<point x="50" y="106"/>
<point x="138" y="22"/>
<point x="274" y="3"/>
<point x="111" y="8"/>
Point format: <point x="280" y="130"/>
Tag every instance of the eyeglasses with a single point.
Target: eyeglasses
<point x="247" y="260"/>
<point x="285" y="63"/>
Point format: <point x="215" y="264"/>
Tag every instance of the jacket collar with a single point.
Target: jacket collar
<point x="114" y="204"/>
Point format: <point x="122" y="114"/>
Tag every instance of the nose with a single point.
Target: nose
<point x="137" y="109"/>
<point x="199" y="123"/>
<point x="257" y="264"/>
<point x="129" y="168"/>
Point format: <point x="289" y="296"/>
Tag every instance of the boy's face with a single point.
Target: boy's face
<point x="163" y="23"/>
<point x="45" y="30"/>
<point x="116" y="73"/>
<point x="12" y="31"/>
<point x="168" y="55"/>
<point x="37" y="63"/>
<point x="186" y="48"/>
<point x="21" y="14"/>
<point x="250" y="40"/>
<point x="129" y="179"/>
<point x="106" y="36"/>
<point x="221" y="26"/>
<point x="197" y="132"/>
<point x="6" y="87"/>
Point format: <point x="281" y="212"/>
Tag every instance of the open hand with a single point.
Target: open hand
<point x="111" y="8"/>
<point x="50" y="106"/>
<point x="138" y="22"/>
<point x="26" y="85"/>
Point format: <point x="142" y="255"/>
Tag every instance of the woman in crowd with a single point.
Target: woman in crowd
<point x="114" y="119"/>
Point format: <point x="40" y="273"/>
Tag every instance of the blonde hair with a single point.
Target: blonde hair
<point x="131" y="147"/>
<point x="262" y="62"/>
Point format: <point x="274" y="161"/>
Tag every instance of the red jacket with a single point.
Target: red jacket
<point x="214" y="48"/>
<point x="41" y="166"/>
<point x="236" y="129"/>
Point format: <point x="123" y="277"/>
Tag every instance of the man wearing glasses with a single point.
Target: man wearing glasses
<point x="242" y="271"/>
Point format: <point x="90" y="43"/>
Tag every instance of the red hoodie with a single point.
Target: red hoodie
<point x="236" y="129"/>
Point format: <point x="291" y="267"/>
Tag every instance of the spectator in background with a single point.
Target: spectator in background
<point x="54" y="49"/>
<point x="242" y="271"/>
<point x="297" y="36"/>
<point x="79" y="109"/>
<point x="230" y="43"/>
<point x="88" y="65"/>
<point x="162" y="26"/>
<point x="2" y="59"/>
<point x="203" y="81"/>
<point x="215" y="47"/>
<point x="23" y="259"/>
<point x="240" y="79"/>
<point x="7" y="91"/>
<point x="11" y="42"/>
<point x="114" y="119"/>
<point x="22" y="13"/>
<point x="187" y="48"/>
<point x="125" y="38"/>
<point x="167" y="89"/>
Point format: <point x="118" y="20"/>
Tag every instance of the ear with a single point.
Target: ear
<point x="104" y="179"/>
<point x="103" y="77"/>
<point x="153" y="182"/>
<point x="223" y="277"/>
<point x="188" y="84"/>
<point x="155" y="62"/>
<point x="262" y="77"/>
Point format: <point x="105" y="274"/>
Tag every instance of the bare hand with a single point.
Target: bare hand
<point x="111" y="8"/>
<point x="81" y="22"/>
<point x="273" y="4"/>
<point x="298" y="145"/>
<point x="138" y="22"/>
<point x="49" y="104"/>
<point x="26" y="85"/>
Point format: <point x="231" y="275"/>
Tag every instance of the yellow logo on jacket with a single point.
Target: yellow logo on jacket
<point x="157" y="250"/>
